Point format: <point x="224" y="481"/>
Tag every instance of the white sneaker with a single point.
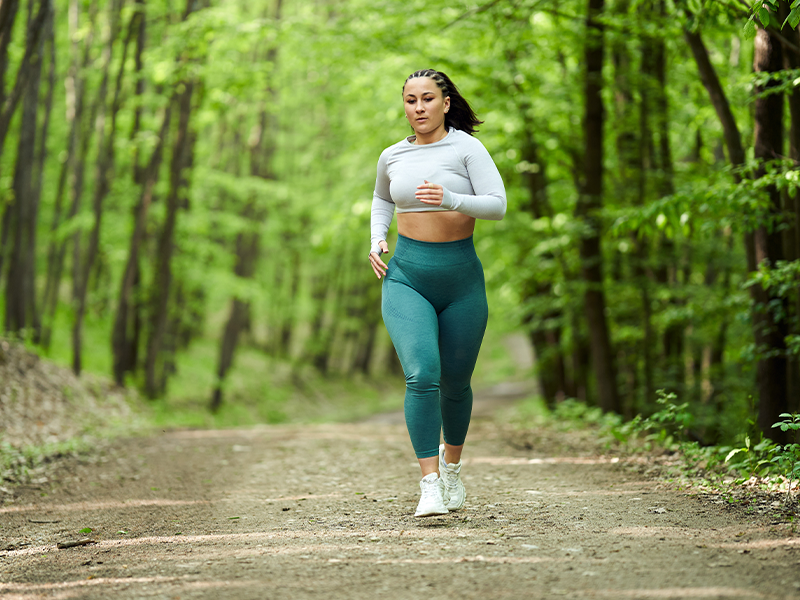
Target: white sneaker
<point x="454" y="492"/>
<point x="431" y="502"/>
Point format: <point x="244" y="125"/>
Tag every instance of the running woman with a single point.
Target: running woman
<point x="433" y="294"/>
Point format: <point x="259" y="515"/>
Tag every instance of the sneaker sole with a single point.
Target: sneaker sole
<point x="432" y="514"/>
<point x="459" y="507"/>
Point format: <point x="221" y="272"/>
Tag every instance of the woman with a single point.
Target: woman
<point x="434" y="298"/>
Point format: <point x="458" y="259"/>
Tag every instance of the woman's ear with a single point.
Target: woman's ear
<point x="447" y="104"/>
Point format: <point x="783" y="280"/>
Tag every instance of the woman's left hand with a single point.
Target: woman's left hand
<point x="430" y="193"/>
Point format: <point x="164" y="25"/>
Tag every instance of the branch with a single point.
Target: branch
<point x="31" y="53"/>
<point x="471" y="12"/>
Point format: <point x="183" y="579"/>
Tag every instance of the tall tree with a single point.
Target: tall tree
<point x="587" y="211"/>
<point x="104" y="166"/>
<point x="21" y="308"/>
<point x="764" y="246"/>
<point x="155" y="376"/>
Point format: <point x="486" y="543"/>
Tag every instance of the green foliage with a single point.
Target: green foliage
<point x="788" y="459"/>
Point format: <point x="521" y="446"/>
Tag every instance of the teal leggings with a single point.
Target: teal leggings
<point x="434" y="307"/>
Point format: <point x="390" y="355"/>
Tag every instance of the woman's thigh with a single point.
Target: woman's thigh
<point x="461" y="328"/>
<point x="412" y="324"/>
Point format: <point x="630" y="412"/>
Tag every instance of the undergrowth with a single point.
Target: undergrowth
<point x="771" y="466"/>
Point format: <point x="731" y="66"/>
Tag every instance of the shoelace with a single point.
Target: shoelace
<point x="429" y="488"/>
<point x="451" y="476"/>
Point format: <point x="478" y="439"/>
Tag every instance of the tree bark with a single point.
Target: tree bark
<point x="587" y="211"/>
<point x="141" y="34"/>
<point x="36" y="31"/>
<point x="708" y="76"/>
<point x="180" y="162"/>
<point x="20" y="295"/>
<point x="127" y="321"/>
<point x="41" y="157"/>
<point x="765" y="247"/>
<point x="103" y="171"/>
<point x="791" y="206"/>
<point x="736" y="156"/>
<point x="262" y="150"/>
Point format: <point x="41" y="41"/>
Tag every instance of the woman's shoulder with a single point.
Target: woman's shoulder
<point x="464" y="139"/>
<point x="467" y="146"/>
<point x="387" y="152"/>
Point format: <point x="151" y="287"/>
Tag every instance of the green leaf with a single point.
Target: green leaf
<point x="86" y="530"/>
<point x="733" y="453"/>
<point x="795" y="4"/>
<point x="793" y="18"/>
<point x="763" y="16"/>
<point x="749" y="29"/>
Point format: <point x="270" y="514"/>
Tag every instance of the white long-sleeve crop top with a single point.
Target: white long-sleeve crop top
<point x="458" y="162"/>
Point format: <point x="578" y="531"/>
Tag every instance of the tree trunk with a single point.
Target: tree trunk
<point x="181" y="161"/>
<point x="262" y="150"/>
<point x="791" y="206"/>
<point x="587" y="211"/>
<point x="736" y="156"/>
<point x="20" y="293"/>
<point x="74" y="87"/>
<point x="765" y="247"/>
<point x="127" y="320"/>
<point x="708" y="76"/>
<point x="41" y="152"/>
<point x="36" y="32"/>
<point x="139" y="88"/>
<point x="103" y="172"/>
<point x="544" y="329"/>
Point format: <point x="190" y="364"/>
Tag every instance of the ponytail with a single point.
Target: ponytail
<point x="460" y="116"/>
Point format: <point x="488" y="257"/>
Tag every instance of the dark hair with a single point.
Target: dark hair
<point x="460" y="116"/>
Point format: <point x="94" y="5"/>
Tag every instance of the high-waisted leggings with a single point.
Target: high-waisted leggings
<point x="434" y="307"/>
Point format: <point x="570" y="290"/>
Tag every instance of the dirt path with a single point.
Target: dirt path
<point x="325" y="512"/>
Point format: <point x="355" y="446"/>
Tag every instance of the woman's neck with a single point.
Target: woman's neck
<point x="431" y="137"/>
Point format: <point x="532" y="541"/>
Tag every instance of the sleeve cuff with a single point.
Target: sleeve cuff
<point x="448" y="201"/>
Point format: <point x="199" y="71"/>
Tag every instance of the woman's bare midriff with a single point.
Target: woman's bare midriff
<point x="435" y="226"/>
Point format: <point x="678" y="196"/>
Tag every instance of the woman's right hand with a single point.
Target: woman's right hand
<point x="375" y="260"/>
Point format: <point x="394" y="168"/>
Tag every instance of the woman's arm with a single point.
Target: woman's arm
<point x="380" y="217"/>
<point x="382" y="205"/>
<point x="489" y="200"/>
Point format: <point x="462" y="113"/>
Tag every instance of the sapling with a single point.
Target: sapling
<point x="789" y="457"/>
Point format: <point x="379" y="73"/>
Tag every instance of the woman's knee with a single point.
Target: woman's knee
<point x="423" y="377"/>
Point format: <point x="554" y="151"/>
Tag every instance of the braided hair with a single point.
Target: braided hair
<point x="460" y="116"/>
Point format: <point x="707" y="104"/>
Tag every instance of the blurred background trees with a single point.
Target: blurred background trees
<point x="184" y="183"/>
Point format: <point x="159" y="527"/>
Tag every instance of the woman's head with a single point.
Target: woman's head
<point x="457" y="111"/>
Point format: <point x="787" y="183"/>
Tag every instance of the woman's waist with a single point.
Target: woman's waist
<point x="439" y="226"/>
<point x="435" y="254"/>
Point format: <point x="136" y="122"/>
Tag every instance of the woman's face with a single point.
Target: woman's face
<point x="425" y="105"/>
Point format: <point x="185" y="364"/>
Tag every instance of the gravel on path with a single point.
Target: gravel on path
<point x="325" y="511"/>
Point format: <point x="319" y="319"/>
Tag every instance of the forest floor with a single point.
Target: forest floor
<point x="325" y="511"/>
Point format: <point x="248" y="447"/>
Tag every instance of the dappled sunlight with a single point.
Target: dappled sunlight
<point x="258" y="536"/>
<point x="282" y="433"/>
<point x="760" y="544"/>
<point x="677" y="593"/>
<point x="682" y="532"/>
<point x="552" y="460"/>
<point x="583" y="492"/>
<point x="100" y="505"/>
<point x="75" y="588"/>
<point x="464" y="559"/>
